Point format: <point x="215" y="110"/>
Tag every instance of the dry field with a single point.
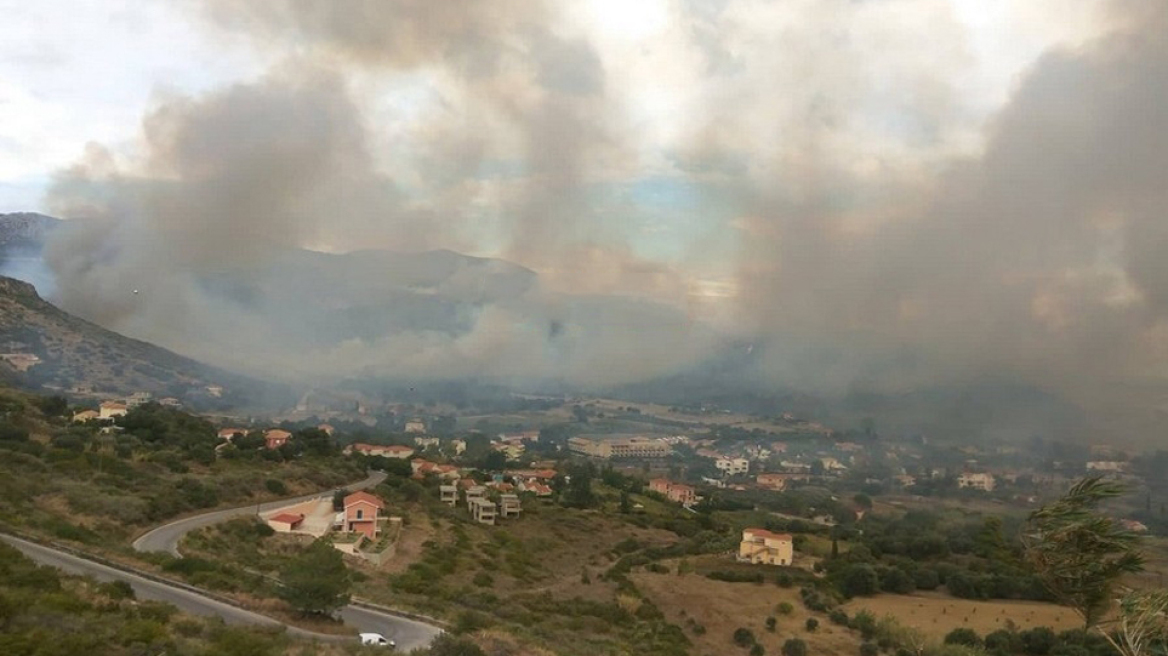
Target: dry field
<point x="935" y="614"/>
<point x="723" y="607"/>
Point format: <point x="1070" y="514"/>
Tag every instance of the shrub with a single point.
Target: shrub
<point x="963" y="636"/>
<point x="1037" y="641"/>
<point x="117" y="590"/>
<point x="275" y="486"/>
<point x="770" y="623"/>
<point x="838" y="616"/>
<point x="869" y="649"/>
<point x="757" y="650"/>
<point x="859" y="579"/>
<point x="1002" y="642"/>
<point x="743" y="637"/>
<point x="794" y="647"/>
<point x="812" y="624"/>
<point x="785" y="608"/>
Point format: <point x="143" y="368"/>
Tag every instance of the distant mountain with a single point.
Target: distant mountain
<point x="21" y="230"/>
<point x="45" y="348"/>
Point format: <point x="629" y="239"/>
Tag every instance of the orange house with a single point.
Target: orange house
<point x="276" y="438"/>
<point x="361" y="512"/>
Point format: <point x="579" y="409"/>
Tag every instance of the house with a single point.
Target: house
<point x="415" y="426"/>
<point x="448" y="494"/>
<point x="391" y="451"/>
<point x="482" y="510"/>
<point x="676" y="492"/>
<point x="327" y="429"/>
<point x="276" y="438"/>
<point x="778" y="481"/>
<point x="760" y="546"/>
<point x="286" y="522"/>
<point x="831" y="464"/>
<point x="1113" y="466"/>
<point x="475" y="492"/>
<point x="978" y="481"/>
<point x="138" y="398"/>
<point x="732" y="466"/>
<point x="424" y="442"/>
<point x="512" y="450"/>
<point x="169" y="402"/>
<point x="508" y="505"/>
<point x="1133" y="526"/>
<point x="86" y="415"/>
<point x="230" y="433"/>
<point x="361" y="512"/>
<point x="459" y="446"/>
<point x="537" y="488"/>
<point x="111" y="409"/>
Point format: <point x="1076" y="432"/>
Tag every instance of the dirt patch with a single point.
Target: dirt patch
<point x="936" y="615"/>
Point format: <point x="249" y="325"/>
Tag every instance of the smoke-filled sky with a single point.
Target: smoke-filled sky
<point x="884" y="193"/>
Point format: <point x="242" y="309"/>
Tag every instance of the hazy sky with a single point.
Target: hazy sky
<point x="887" y="193"/>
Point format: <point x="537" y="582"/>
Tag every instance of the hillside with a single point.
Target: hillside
<point x="74" y="355"/>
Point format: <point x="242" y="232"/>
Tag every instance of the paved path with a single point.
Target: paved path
<point x="166" y="537"/>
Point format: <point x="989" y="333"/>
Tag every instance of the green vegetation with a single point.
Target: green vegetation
<point x="74" y="482"/>
<point x="44" y="613"/>
<point x="316" y="582"/>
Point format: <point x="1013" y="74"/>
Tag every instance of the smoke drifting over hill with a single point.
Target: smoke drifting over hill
<point x="821" y="180"/>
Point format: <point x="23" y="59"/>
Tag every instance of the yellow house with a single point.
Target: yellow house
<point x="761" y="546"/>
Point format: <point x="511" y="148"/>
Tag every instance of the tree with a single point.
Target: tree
<point x="794" y="647"/>
<point x="859" y="579"/>
<point x="770" y="623"/>
<point x="812" y="624"/>
<point x="1079" y="554"/>
<point x="316" y="582"/>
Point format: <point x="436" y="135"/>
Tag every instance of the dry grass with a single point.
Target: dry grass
<point x="936" y="614"/>
<point x="723" y="607"/>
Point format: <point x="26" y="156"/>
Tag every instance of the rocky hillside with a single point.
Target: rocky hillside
<point x="46" y="348"/>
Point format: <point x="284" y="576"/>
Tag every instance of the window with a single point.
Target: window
<point x="360" y="513"/>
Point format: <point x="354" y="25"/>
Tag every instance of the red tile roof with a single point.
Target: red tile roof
<point x="363" y="496"/>
<point x="287" y="518"/>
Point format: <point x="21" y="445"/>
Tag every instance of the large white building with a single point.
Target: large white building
<point x="978" y="481"/>
<point x="732" y="466"/>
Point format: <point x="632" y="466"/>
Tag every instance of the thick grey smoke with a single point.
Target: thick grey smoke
<point x="228" y="183"/>
<point x="1039" y="259"/>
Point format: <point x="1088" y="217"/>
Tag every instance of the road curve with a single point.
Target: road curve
<point x="166" y="537"/>
<point x="408" y="633"/>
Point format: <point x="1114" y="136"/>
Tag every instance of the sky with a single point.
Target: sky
<point x="891" y="193"/>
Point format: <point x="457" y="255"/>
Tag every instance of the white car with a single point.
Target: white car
<point x="376" y="639"/>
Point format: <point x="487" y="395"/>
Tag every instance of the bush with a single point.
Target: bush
<point x="757" y="650"/>
<point x="838" y="616"/>
<point x="1002" y="642"/>
<point x="785" y="608"/>
<point x="859" y="579"/>
<point x="967" y="637"/>
<point x="794" y="647"/>
<point x="770" y="623"/>
<point x="117" y="590"/>
<point x="925" y="578"/>
<point x="812" y="624"/>
<point x="743" y="637"/>
<point x="1037" y="641"/>
<point x="869" y="649"/>
<point x="733" y="576"/>
<point x="275" y="486"/>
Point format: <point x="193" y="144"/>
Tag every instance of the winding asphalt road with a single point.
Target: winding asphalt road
<point x="408" y="633"/>
<point x="166" y="537"/>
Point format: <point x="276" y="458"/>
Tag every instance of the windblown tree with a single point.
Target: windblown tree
<point x="1082" y="556"/>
